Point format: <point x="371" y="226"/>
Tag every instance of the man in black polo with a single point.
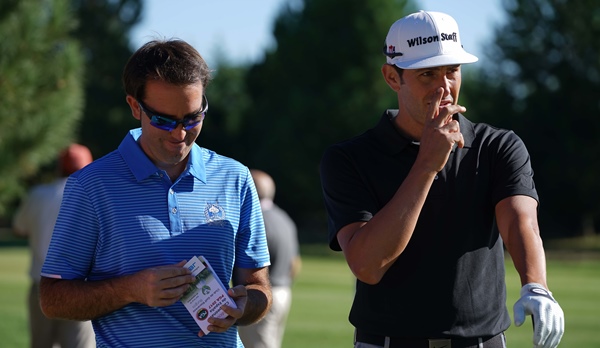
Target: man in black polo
<point x="413" y="204"/>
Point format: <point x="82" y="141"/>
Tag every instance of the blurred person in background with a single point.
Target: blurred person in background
<point x="282" y="240"/>
<point x="35" y="219"/>
<point x="422" y="203"/>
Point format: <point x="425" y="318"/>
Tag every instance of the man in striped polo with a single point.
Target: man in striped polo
<point x="130" y="220"/>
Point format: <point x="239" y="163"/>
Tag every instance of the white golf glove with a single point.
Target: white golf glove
<point x="547" y="316"/>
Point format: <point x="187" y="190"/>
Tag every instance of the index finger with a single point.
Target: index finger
<point x="433" y="110"/>
<point x="168" y="271"/>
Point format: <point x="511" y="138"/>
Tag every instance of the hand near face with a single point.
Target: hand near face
<point x="440" y="133"/>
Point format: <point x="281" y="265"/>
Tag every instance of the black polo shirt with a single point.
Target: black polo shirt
<point x="449" y="281"/>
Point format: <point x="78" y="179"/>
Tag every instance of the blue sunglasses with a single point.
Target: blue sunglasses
<point x="169" y="124"/>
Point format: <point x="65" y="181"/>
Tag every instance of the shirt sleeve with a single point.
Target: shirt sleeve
<point x="75" y="236"/>
<point x="513" y="173"/>
<point x="347" y="199"/>
<point x="251" y="248"/>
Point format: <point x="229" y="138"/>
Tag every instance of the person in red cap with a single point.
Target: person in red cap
<point x="422" y="204"/>
<point x="35" y="219"/>
<point x="73" y="158"/>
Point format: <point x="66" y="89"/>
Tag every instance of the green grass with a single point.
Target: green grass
<point x="14" y="287"/>
<point x="323" y="292"/>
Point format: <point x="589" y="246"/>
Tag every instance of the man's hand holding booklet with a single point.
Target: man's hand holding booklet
<point x="206" y="295"/>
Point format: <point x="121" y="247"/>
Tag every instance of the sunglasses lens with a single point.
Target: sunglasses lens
<point x="191" y="123"/>
<point x="163" y="123"/>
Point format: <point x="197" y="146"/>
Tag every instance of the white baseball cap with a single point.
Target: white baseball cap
<point x="425" y="40"/>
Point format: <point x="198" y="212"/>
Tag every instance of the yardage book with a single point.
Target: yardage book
<point x="206" y="295"/>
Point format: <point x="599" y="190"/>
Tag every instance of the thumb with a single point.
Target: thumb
<point x="519" y="313"/>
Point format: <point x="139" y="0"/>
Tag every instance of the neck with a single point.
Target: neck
<point x="403" y="130"/>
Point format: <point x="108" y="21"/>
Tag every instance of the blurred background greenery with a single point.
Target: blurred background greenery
<point x="60" y="68"/>
<point x="61" y="62"/>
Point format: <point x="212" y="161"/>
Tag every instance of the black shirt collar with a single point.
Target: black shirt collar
<point x="395" y="142"/>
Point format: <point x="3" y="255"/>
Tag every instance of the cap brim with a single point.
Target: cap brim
<point x="438" y="60"/>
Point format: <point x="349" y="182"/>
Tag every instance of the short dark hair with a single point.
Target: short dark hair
<point x="173" y="61"/>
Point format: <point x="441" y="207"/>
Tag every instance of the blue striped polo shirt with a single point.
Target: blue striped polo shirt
<point x="121" y="214"/>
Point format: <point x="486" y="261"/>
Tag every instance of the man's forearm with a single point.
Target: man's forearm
<point x="78" y="299"/>
<point x="517" y="222"/>
<point x="257" y="305"/>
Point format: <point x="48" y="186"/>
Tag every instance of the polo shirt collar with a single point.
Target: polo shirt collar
<point x="386" y="133"/>
<point x="467" y="128"/>
<point x="142" y="167"/>
<point x="395" y="142"/>
<point x="196" y="164"/>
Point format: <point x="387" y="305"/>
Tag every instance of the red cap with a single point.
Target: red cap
<point x="73" y="158"/>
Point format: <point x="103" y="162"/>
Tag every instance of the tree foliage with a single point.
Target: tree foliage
<point x="319" y="85"/>
<point x="543" y="81"/>
<point x="228" y="103"/>
<point x="40" y="89"/>
<point x="103" y="31"/>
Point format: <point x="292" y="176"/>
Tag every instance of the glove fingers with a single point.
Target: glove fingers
<point x="540" y="334"/>
<point x="556" y="334"/>
<point x="548" y="330"/>
<point x="519" y="313"/>
<point x="553" y="340"/>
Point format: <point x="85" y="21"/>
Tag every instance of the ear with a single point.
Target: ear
<point x="136" y="111"/>
<point x="390" y="75"/>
